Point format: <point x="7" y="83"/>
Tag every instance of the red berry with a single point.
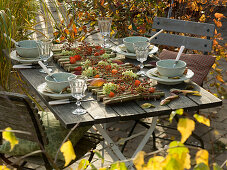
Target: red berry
<point x="151" y="89"/>
<point x="102" y="51"/>
<point x="97" y="54"/>
<point x="137" y="83"/>
<point x="78" y="72"/>
<point x="98" y="47"/>
<point x="72" y="60"/>
<point x="78" y="68"/>
<point x="114" y="71"/>
<point x="111" y="94"/>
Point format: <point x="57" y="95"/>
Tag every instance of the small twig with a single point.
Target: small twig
<point x="16" y="131"/>
<point x="27" y="155"/>
<point x="222" y="165"/>
<point x="66" y="138"/>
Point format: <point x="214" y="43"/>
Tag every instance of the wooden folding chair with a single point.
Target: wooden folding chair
<point x="194" y="36"/>
<point x="20" y="113"/>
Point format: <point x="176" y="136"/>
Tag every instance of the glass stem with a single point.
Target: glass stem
<point x="105" y="39"/>
<point x="141" y="65"/>
<point x="78" y="103"/>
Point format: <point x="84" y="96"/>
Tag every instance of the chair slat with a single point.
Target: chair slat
<point x="191" y="43"/>
<point x="18" y="112"/>
<point x="175" y="25"/>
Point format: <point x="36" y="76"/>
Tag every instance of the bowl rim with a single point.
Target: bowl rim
<point x="70" y="74"/>
<point x="124" y="39"/>
<point x="25" y="47"/>
<point x="185" y="64"/>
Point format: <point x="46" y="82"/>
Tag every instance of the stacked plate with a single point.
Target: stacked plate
<point x="14" y="56"/>
<point x="153" y="74"/>
<point x="121" y="49"/>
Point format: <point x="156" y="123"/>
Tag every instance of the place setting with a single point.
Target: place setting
<point x="29" y="52"/>
<point x="171" y="72"/>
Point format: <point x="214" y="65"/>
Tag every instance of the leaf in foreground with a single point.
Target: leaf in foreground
<point x="10" y="136"/>
<point x="185" y="126"/>
<point x="83" y="164"/>
<point x="173" y="113"/>
<point x="139" y="160"/>
<point x="155" y="163"/>
<point x="178" y="151"/>
<point x="118" y="166"/>
<point x="201" y="166"/>
<point x="68" y="152"/>
<point x="216" y="167"/>
<point x="202" y="119"/>
<point x="3" y="167"/>
<point x="202" y="157"/>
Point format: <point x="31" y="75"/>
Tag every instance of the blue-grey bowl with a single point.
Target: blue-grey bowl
<point x="128" y="42"/>
<point x="28" y="49"/>
<point x="165" y="68"/>
<point x="62" y="81"/>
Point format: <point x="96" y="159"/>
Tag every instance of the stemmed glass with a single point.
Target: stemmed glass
<point x="78" y="87"/>
<point x="141" y="48"/>
<point x="44" y="48"/>
<point x="104" y="24"/>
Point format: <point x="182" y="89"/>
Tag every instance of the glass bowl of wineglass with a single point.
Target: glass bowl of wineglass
<point x="104" y="24"/>
<point x="141" y="49"/>
<point x="78" y="87"/>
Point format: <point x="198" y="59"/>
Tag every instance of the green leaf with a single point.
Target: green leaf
<point x="99" y="156"/>
<point x="10" y="137"/>
<point x="172" y="164"/>
<point x="177" y="147"/>
<point x="147" y="105"/>
<point x="201" y="166"/>
<point x="173" y="113"/>
<point x="216" y="167"/>
<point x="202" y="119"/>
<point x="83" y="164"/>
<point x="118" y="166"/>
<point x="93" y="167"/>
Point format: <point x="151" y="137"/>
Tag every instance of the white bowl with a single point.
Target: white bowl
<point x="165" y="68"/>
<point x="28" y="49"/>
<point x="62" y="81"/>
<point x="128" y="42"/>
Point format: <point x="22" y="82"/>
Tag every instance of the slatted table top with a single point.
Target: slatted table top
<point x="98" y="113"/>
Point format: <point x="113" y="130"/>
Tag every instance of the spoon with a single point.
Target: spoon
<point x="155" y="35"/>
<point x="16" y="43"/>
<point x="47" y="71"/>
<point x="178" y="55"/>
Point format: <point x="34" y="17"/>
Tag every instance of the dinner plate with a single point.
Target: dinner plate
<point x="42" y="89"/>
<point x="165" y="80"/>
<point x="16" y="57"/>
<point x="121" y="49"/>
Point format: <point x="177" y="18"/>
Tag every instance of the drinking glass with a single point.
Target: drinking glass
<point x="141" y="49"/>
<point x="78" y="87"/>
<point x="44" y="52"/>
<point x="104" y="24"/>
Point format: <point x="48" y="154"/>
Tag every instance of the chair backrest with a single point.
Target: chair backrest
<point x="19" y="112"/>
<point x="191" y="32"/>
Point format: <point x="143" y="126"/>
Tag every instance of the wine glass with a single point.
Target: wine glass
<point x="78" y="87"/>
<point x="44" y="49"/>
<point x="104" y="24"/>
<point x="141" y="48"/>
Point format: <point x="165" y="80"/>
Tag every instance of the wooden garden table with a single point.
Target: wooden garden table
<point x="98" y="113"/>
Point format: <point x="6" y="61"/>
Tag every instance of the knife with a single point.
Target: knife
<point x="24" y="66"/>
<point x="66" y="101"/>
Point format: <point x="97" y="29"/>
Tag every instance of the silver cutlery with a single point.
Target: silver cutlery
<point x="66" y="101"/>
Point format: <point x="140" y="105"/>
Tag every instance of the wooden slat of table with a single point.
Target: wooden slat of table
<point x="182" y="101"/>
<point x="100" y="112"/>
<point x="206" y="100"/>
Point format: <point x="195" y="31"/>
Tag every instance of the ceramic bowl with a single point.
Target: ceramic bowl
<point x="62" y="81"/>
<point x="128" y="42"/>
<point x="165" y="68"/>
<point x="28" y="49"/>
